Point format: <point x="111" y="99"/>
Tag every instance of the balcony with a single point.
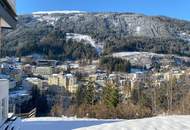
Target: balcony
<point x="12" y="4"/>
<point x="7" y="13"/>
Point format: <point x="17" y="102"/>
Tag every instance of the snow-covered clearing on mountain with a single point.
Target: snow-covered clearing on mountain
<point x="86" y="39"/>
<point x="50" y="17"/>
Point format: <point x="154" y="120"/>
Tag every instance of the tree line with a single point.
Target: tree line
<point x="115" y="64"/>
<point x="147" y="44"/>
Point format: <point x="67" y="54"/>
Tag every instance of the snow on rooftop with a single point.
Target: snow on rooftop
<point x="32" y="78"/>
<point x="58" y="12"/>
<point x="69" y="75"/>
<point x="18" y="93"/>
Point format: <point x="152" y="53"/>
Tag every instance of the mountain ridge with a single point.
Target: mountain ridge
<point x="106" y="28"/>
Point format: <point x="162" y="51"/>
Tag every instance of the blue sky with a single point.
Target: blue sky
<point x="173" y="8"/>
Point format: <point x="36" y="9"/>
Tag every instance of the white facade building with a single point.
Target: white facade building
<point x="4" y="97"/>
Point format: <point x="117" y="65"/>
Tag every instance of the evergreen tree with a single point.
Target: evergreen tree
<point x="90" y="96"/>
<point x="115" y="64"/>
<point x="86" y="94"/>
<point x="80" y="94"/>
<point x="110" y="96"/>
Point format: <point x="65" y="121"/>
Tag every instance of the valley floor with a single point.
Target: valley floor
<point x="155" y="123"/>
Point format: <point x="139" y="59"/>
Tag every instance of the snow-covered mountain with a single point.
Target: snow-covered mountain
<point x="155" y="33"/>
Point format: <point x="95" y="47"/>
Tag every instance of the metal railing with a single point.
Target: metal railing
<point x="30" y="114"/>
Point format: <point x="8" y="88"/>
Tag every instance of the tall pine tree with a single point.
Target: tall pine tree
<point x="110" y="95"/>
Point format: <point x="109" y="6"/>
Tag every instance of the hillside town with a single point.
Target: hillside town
<point x="65" y="78"/>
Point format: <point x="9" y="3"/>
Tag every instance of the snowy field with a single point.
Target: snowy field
<point x="155" y="123"/>
<point x="60" y="123"/>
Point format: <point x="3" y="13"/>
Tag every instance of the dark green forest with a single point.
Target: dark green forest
<point x="115" y="64"/>
<point x="53" y="45"/>
<point x="147" y="44"/>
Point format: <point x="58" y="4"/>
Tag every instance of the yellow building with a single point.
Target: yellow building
<point x="68" y="81"/>
<point x="43" y="71"/>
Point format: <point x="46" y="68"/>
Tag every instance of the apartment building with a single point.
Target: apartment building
<point x="68" y="81"/>
<point x="44" y="71"/>
<point x="7" y="20"/>
<point x="4" y="97"/>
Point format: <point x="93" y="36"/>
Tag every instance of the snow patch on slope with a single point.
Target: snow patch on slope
<point x="125" y="54"/>
<point x="86" y="39"/>
<point x="49" y="16"/>
<point x="147" y="59"/>
<point x="58" y="12"/>
<point x="51" y="20"/>
<point x="185" y="36"/>
<point x="80" y="37"/>
<point x="138" y="29"/>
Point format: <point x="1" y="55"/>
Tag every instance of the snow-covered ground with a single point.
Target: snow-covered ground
<point x="155" y="123"/>
<point x="60" y="123"/>
<point x="124" y="54"/>
<point x="148" y="59"/>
